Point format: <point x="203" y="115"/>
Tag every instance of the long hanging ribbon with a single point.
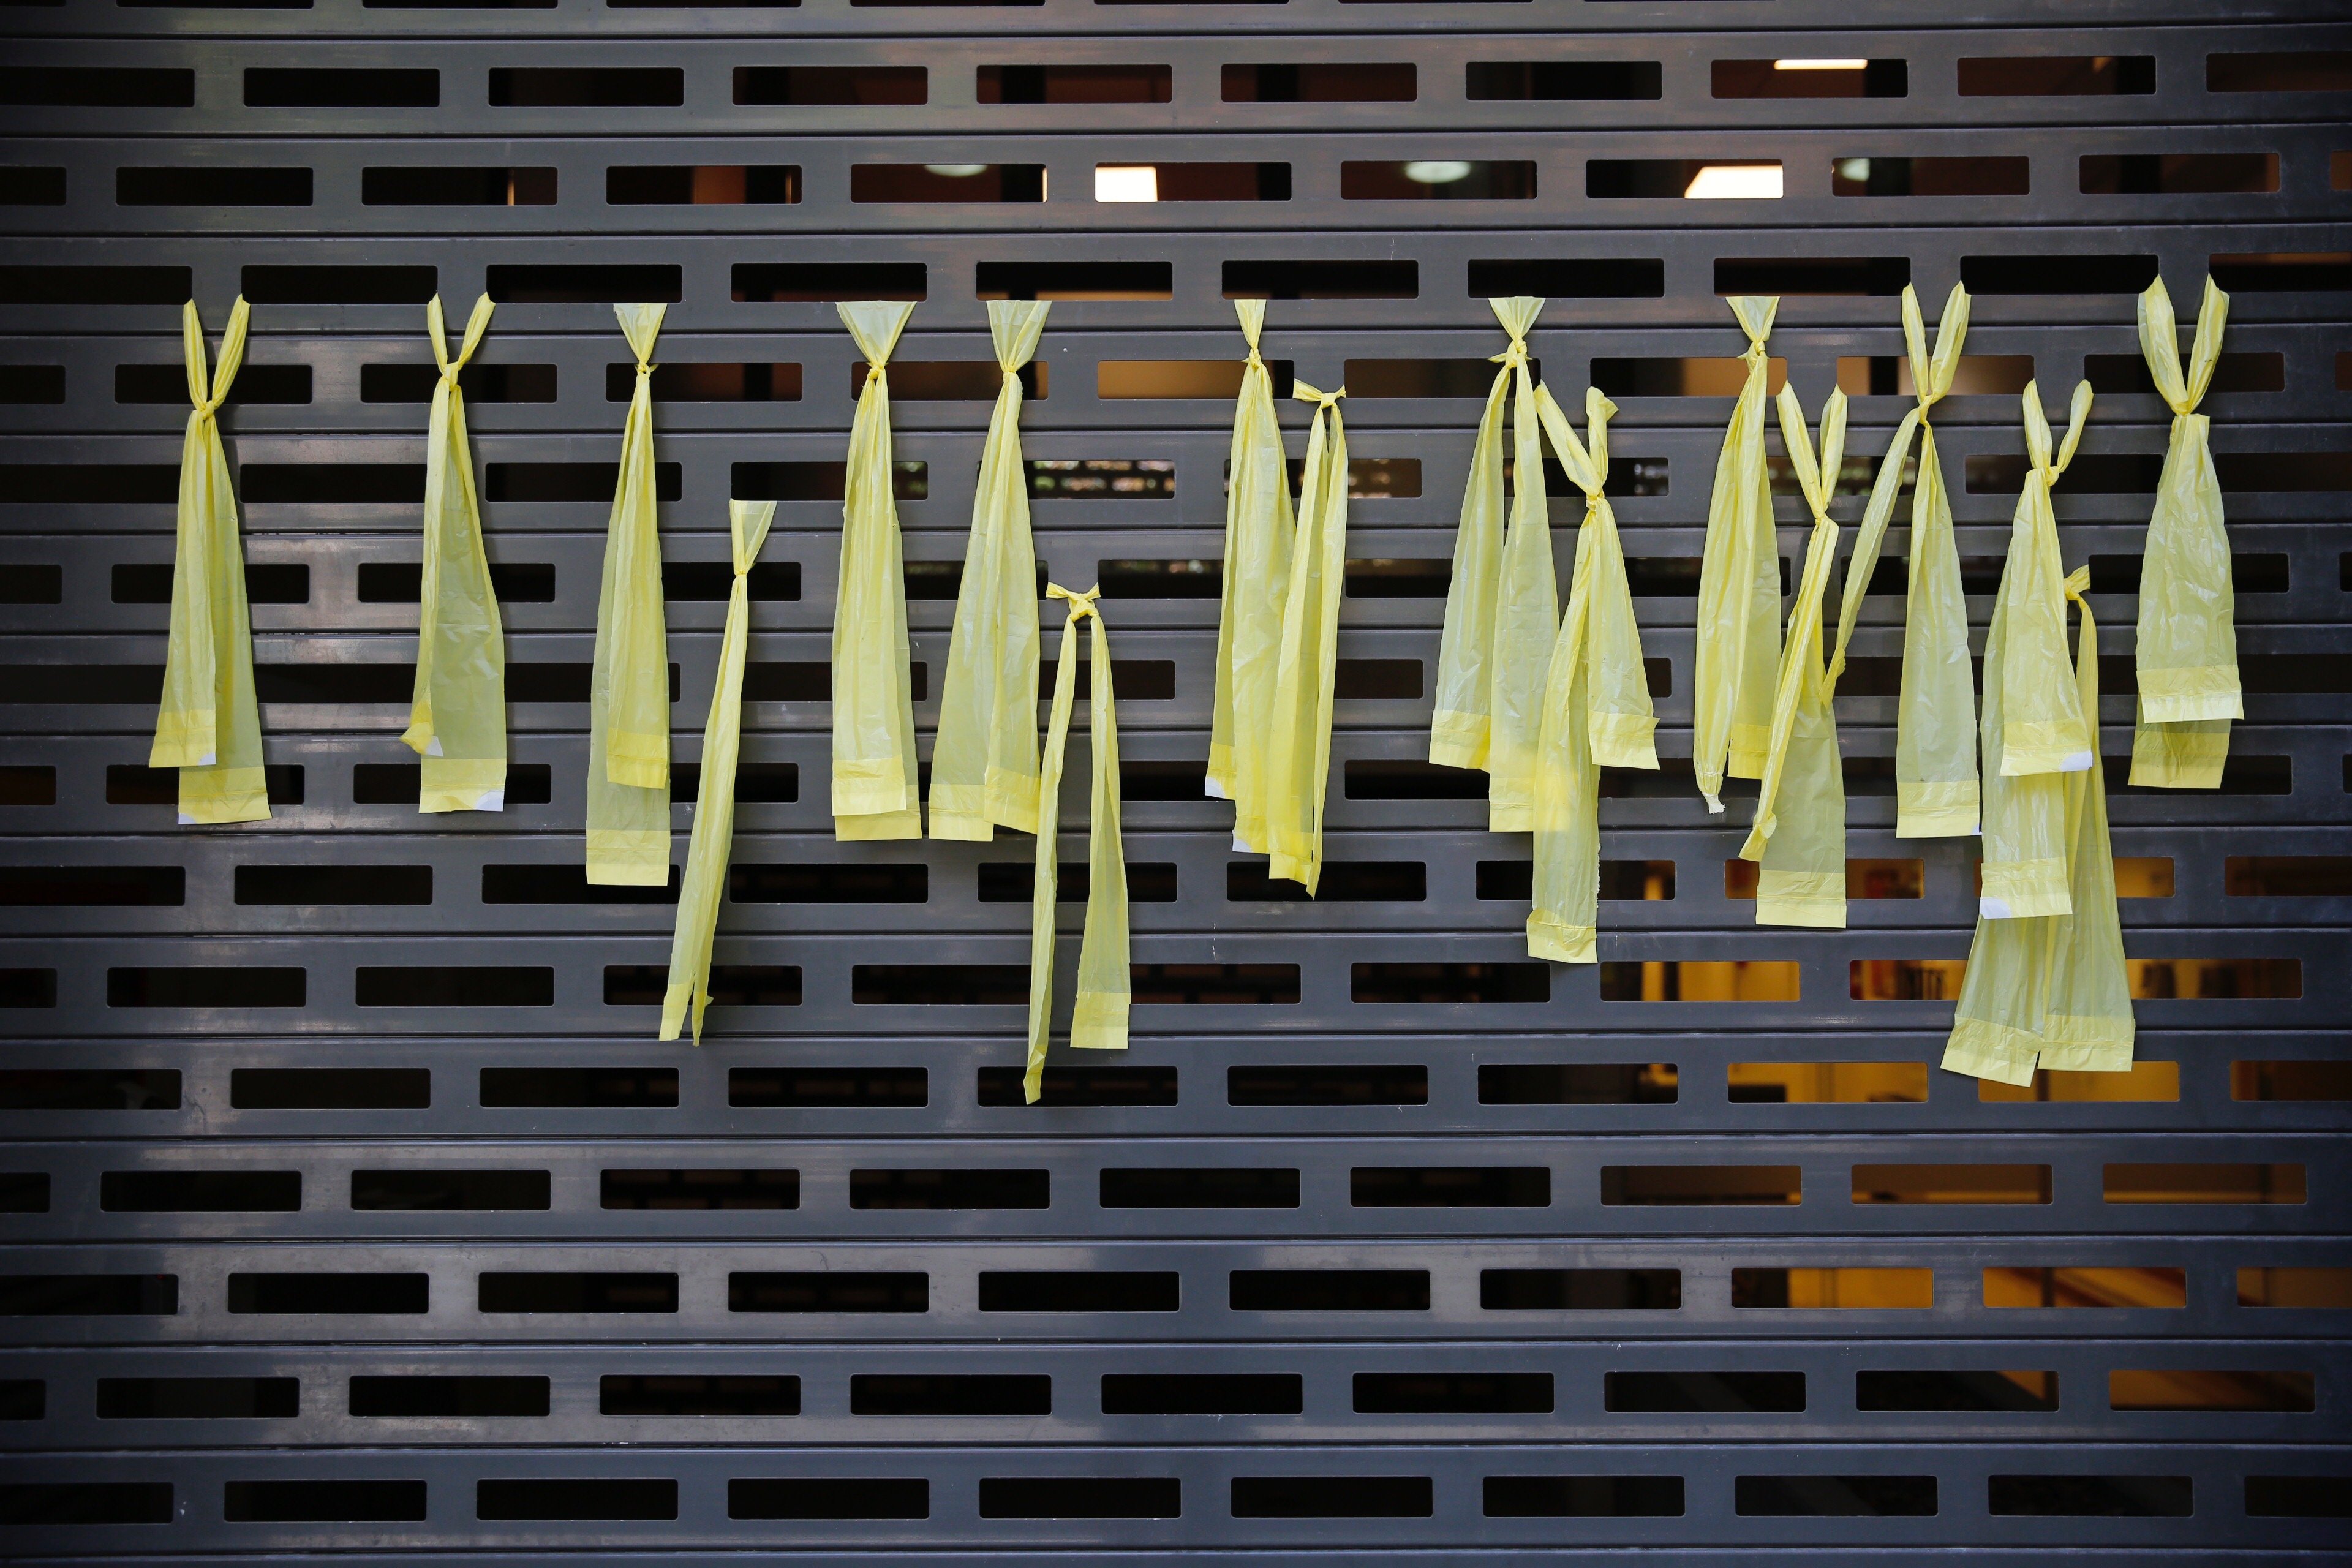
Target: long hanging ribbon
<point x="2035" y="727"/>
<point x="1739" y="643"/>
<point x="1935" y="722"/>
<point x="628" y="718"/>
<point x="1502" y="605"/>
<point x="2052" y="991"/>
<point x="1259" y="532"/>
<point x="209" y="724"/>
<point x="984" y="761"/>
<point x="714" y="798"/>
<point x="1596" y="702"/>
<point x="458" y="719"/>
<point x="2188" y="649"/>
<point x="1098" y="1017"/>
<point x="874" y="788"/>
<point x="1298" y="749"/>
<point x="1799" y="834"/>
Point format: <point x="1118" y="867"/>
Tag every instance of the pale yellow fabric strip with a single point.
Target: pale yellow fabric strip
<point x="457" y="718"/>
<point x="1298" y="749"/>
<point x="873" y="777"/>
<point x="2043" y="728"/>
<point x="1099" y="1014"/>
<point x="689" y="988"/>
<point x="1737" y="649"/>
<point x="208" y="725"/>
<point x="985" y="760"/>
<point x="1260" y="533"/>
<point x="629" y="715"/>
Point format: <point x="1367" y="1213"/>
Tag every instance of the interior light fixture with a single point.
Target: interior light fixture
<point x="1820" y="65"/>
<point x="1735" y="182"/>
<point x="956" y="170"/>
<point x="1126" y="182"/>
<point x="1436" y="172"/>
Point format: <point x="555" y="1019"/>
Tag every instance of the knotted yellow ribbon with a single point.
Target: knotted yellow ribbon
<point x="1738" y="642"/>
<point x="1502" y="605"/>
<point x="2051" y="990"/>
<point x="209" y="725"/>
<point x="1298" y="747"/>
<point x="1098" y="1018"/>
<point x="628" y="716"/>
<point x="2036" y="727"/>
<point x="458" y="719"/>
<point x="2188" y="646"/>
<point x="1259" y="533"/>
<point x="1596" y="700"/>
<point x="984" y="761"/>
<point x="1799" y="834"/>
<point x="714" y="798"/>
<point x="874" y="788"/>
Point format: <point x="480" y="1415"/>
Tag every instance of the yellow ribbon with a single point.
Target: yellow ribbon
<point x="629" y="715"/>
<point x="1259" y="536"/>
<point x="873" y="777"/>
<point x="1738" y="648"/>
<point x="1298" y="746"/>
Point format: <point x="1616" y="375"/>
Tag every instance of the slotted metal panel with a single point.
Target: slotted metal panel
<point x="351" y="1206"/>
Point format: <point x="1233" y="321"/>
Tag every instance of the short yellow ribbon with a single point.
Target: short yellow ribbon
<point x="1259" y="534"/>
<point x="1298" y="747"/>
<point x="1738" y="648"/>
<point x="874" y="769"/>
<point x="628" y="714"/>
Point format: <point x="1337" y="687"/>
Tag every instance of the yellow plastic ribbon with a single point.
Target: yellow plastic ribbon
<point x="1596" y="703"/>
<point x="1259" y="532"/>
<point x="209" y="724"/>
<point x="1098" y="1018"/>
<point x="984" y="761"/>
<point x="1298" y="749"/>
<point x="628" y="716"/>
<point x="2187" y="650"/>
<point x="1738" y="641"/>
<point x="458" y="719"/>
<point x="2036" y="728"/>
<point x="1502" y="607"/>
<point x="874" y="788"/>
<point x="714" y="800"/>
<point x="2051" y="990"/>
<point x="1799" y="834"/>
<point x="1935" y="722"/>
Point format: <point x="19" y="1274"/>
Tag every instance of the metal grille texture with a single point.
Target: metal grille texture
<point x="350" y="1205"/>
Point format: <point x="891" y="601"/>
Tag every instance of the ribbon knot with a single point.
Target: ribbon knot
<point x="1510" y="358"/>
<point x="1254" y="363"/>
<point x="644" y="369"/>
<point x="2078" y="583"/>
<point x="1081" y="605"/>
<point x="208" y="408"/>
<point x="1305" y="394"/>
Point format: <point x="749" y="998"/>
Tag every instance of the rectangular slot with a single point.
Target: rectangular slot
<point x="2299" y="1497"/>
<point x="335" y="885"/>
<point x="1343" y="882"/>
<point x="39" y="383"/>
<point x="1332" y="1497"/>
<point x="28" y="987"/>
<point x="1940" y="1389"/>
<point x="952" y="380"/>
<point x="1374" y="1083"/>
<point x="828" y="1292"/>
<point x="94" y="285"/>
<point x="1878" y="176"/>
<point x="1160" y="781"/>
<point x="565" y="1291"/>
<point x="23" y="1192"/>
<point x="1576" y="278"/>
<point x="577" y="283"/>
<point x="578" y="1087"/>
<point x="739" y="1396"/>
<point x="200" y="1192"/>
<point x="1449" y="1187"/>
<point x="421" y="1397"/>
<point x="1068" y="84"/>
<point x="93" y="886"/>
<point x="951" y="1393"/>
<point x="1863" y="878"/>
<point x="846" y="884"/>
<point x="1220" y="379"/>
<point x="275" y="385"/>
<point x="1453" y="1394"/>
<point x="2056" y="76"/>
<point x="329" y="1294"/>
<point x="1394" y="985"/>
<point x="197" y="1398"/>
<point x="419" y="186"/>
<point x="97" y="87"/>
<point x="1582" y="1497"/>
<point x="334" y="484"/>
<point x="1701" y="1185"/>
<point x="2128" y="373"/>
<point x="2288" y="876"/>
<point x="1215" y="984"/>
<point x="730" y="984"/>
<point x="699" y="1189"/>
<point x="86" y="1502"/>
<point x="28" y="583"/>
<point x="401" y="581"/>
<point x="89" y="1295"/>
<point x="1192" y="182"/>
<point x="454" y="985"/>
<point x="315" y="87"/>
<point x="339" y="286"/>
<point x="587" y="1498"/>
<point x="2327" y="1290"/>
<point x="781" y="282"/>
<point x="1830" y="275"/>
<point x="1580" y="1290"/>
<point x="552" y="482"/>
<point x="1951" y="1183"/>
<point x="2304" y="71"/>
<point x="2094" y="1496"/>
<point x="1317" y="82"/>
<point x="942" y="1189"/>
<point x="832" y="86"/>
<point x="1558" y="81"/>
<point x="2057" y="274"/>
<point x="829" y="1087"/>
<point x="1439" y="179"/>
<point x="1014" y="883"/>
<point x="2170" y="1388"/>
<point x="1082" y="280"/>
<point x="570" y="884"/>
<point x="473" y="1191"/>
<point x="1864" y="1289"/>
<point x="132" y="785"/>
<point x="1827" y="1083"/>
<point x="480" y="382"/>
<point x="2085" y="1288"/>
<point x="1577" y="1083"/>
<point x="1835" y="1497"/>
<point x="947" y="183"/>
<point x="1809" y="78"/>
<point x="1513" y="882"/>
<point x="1700" y="980"/>
<point x="819" y="482"/>
<point x="23" y="186"/>
<point x="1334" y="279"/>
<point x="830" y="1497"/>
<point x="1417" y="378"/>
<point x="2302" y="1080"/>
<point x="938" y="984"/>
<point x="1708" y="1392"/>
<point x="1674" y="179"/>
<point x="1080" y="1086"/>
<point x="714" y="380"/>
<point x="2152" y="1082"/>
<point x="343" y="1500"/>
<point x="2178" y="174"/>
<point x="1683" y="377"/>
<point x="1077" y="1290"/>
<point x="2215" y="979"/>
<point x="1101" y="478"/>
<point x="1399" y="578"/>
<point x="1329" y="1290"/>
<point x="90" y="1089"/>
<point x="1203" y="1394"/>
<point x="2183" y="1183"/>
<point x="1198" y="1187"/>
<point x="205" y="987"/>
<point x="587" y="87"/>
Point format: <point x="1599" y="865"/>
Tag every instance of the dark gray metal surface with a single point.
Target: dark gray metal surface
<point x="114" y="1113"/>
